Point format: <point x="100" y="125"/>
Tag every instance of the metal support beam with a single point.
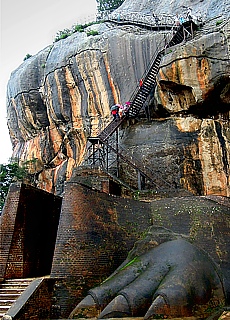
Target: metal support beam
<point x="117" y="149"/>
<point x="140" y="181"/>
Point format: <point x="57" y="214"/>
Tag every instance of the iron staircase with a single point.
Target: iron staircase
<point x="102" y="153"/>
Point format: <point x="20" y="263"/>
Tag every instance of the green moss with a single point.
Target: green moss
<point x="79" y="28"/>
<point x="130" y="263"/>
<point x="27" y="57"/>
<point x="218" y="22"/>
<point x="92" y="33"/>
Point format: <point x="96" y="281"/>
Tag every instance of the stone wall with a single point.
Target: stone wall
<point x="78" y="79"/>
<point x="186" y="152"/>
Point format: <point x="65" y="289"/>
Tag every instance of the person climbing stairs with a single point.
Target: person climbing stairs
<point x="179" y="34"/>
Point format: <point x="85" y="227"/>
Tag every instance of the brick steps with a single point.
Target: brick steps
<point x="10" y="291"/>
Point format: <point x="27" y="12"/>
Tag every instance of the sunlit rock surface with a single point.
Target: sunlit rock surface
<point x="208" y="8"/>
<point x="62" y="95"/>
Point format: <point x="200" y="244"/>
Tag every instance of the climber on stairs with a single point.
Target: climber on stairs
<point x="115" y="112"/>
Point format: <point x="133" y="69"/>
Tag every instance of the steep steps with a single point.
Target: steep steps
<point x="10" y="290"/>
<point x="110" y="129"/>
<point x="154" y="177"/>
<point x="100" y="145"/>
<point x="140" y="95"/>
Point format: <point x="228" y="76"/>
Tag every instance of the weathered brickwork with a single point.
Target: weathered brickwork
<point x="92" y="226"/>
<point x="39" y="305"/>
<point x="95" y="233"/>
<point x="97" y="230"/>
<point x="96" y="179"/>
<point x="28" y="232"/>
<point x="8" y="225"/>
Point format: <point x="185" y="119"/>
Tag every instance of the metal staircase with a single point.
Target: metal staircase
<point x="139" y="96"/>
<point x="108" y="154"/>
<point x="102" y="152"/>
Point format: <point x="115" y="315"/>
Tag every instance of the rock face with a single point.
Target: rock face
<point x="193" y="87"/>
<point x="63" y="95"/>
<point x="208" y="8"/>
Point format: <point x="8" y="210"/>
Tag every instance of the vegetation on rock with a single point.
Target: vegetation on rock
<point x="103" y="6"/>
<point x="12" y="172"/>
<point x="27" y="57"/>
<point x="76" y="28"/>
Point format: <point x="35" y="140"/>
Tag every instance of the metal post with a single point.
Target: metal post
<point x="107" y="157"/>
<point x="143" y="182"/>
<point x="93" y="154"/>
<point x="139" y="180"/>
<point x="103" y="155"/>
<point x="191" y="30"/>
<point x="117" y="149"/>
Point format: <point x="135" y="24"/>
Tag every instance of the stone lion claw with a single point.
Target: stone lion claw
<point x="173" y="279"/>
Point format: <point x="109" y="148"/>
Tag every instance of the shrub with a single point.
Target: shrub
<point x="218" y="22"/>
<point x="79" y="28"/>
<point x="10" y="173"/>
<point x="76" y="28"/>
<point x="27" y="56"/>
<point x="92" y="33"/>
<point x="62" y="34"/>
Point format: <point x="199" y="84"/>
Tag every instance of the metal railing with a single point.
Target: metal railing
<point x="138" y="17"/>
<point x="107" y="153"/>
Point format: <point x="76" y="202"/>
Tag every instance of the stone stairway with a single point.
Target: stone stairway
<point x="10" y="290"/>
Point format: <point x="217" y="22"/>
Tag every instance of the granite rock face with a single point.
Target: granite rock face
<point x="208" y="8"/>
<point x="67" y="94"/>
<point x="193" y="90"/>
<point x="62" y="95"/>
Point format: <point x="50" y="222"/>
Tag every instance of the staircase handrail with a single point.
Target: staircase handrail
<point x="164" y="43"/>
<point x="138" y="164"/>
<point x="162" y="46"/>
<point x="137" y="17"/>
<point x="159" y="49"/>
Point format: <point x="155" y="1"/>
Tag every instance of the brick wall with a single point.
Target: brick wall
<point x="94" y="225"/>
<point x="97" y="179"/>
<point x="28" y="232"/>
<point x="97" y="230"/>
<point x="7" y="225"/>
<point x="36" y="302"/>
<point x="95" y="233"/>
